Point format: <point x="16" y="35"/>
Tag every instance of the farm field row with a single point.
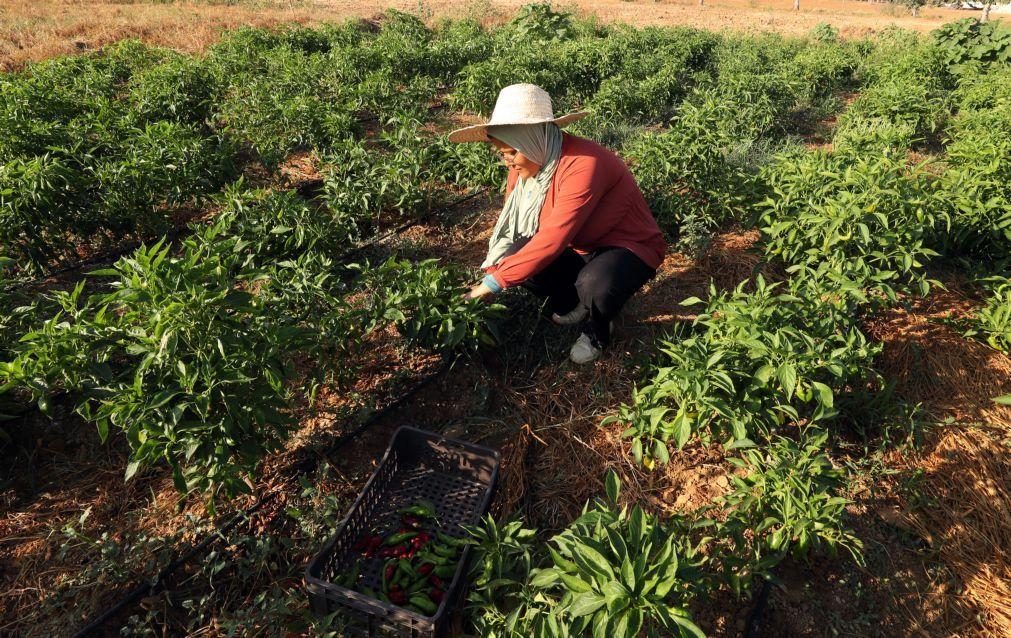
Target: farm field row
<point x="840" y="215"/>
<point x="31" y="30"/>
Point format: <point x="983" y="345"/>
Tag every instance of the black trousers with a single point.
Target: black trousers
<point x="601" y="281"/>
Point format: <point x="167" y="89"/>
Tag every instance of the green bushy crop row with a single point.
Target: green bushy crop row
<point x="752" y="363"/>
<point x="107" y="145"/>
<point x="191" y="354"/>
<point x="97" y="147"/>
<point x="853" y="227"/>
<point x="618" y="571"/>
<point x="977" y="178"/>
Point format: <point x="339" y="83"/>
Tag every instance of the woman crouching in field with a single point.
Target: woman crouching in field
<point x="575" y="228"/>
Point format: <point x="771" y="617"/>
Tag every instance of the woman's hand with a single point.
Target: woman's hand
<point x="479" y="291"/>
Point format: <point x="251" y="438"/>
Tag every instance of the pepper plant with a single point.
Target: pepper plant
<point x="871" y="217"/>
<point x="753" y="362"/>
<point x="171" y="358"/>
<point x="621" y="572"/>
<point x="992" y="321"/>
<point x="687" y="176"/>
<point x="611" y="572"/>
<point x="976" y="183"/>
<point x="786" y="503"/>
<point x="425" y="302"/>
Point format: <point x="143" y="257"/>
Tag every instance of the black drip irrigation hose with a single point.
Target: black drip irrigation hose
<point x="94" y="260"/>
<point x="174" y="233"/>
<point x="754" y="628"/>
<point x="410" y="224"/>
<point x="301" y="468"/>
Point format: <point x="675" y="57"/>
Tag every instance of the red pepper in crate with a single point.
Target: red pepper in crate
<point x="368" y="544"/>
<point x="435" y="580"/>
<point x="436" y="595"/>
<point x="419" y="541"/>
<point x="425" y="569"/>
<point x="411" y="522"/>
<point x="398" y="597"/>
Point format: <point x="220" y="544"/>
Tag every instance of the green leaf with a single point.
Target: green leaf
<point x="634" y="622"/>
<point x="545" y="578"/>
<point x="637" y="451"/>
<point x="619" y="626"/>
<point x="585" y="604"/>
<point x="131" y="469"/>
<point x="612" y="485"/>
<point x="575" y="584"/>
<point x="590" y="558"/>
<point x="628" y="574"/>
<point x="660" y="452"/>
<point x="679" y="617"/>
<point x="787" y="376"/>
<point x="615" y="595"/>
<point x="825" y="394"/>
<point x="763" y="374"/>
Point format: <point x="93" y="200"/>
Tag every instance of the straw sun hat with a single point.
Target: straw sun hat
<point x="516" y="104"/>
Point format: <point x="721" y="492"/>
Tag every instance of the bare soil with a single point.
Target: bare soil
<point x="40" y="29"/>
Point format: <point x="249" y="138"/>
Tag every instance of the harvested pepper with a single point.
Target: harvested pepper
<point x="388" y="572"/>
<point x="449" y="540"/>
<point x="444" y="551"/>
<point x="422" y="509"/>
<point x="423" y="603"/>
<point x="445" y="571"/>
<point x="399" y="538"/>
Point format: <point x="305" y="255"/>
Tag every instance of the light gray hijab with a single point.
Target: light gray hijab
<point x="520" y="216"/>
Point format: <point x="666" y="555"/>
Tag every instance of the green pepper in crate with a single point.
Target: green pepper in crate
<point x="423" y="603"/>
<point x="445" y="551"/>
<point x="449" y="540"/>
<point x="422" y="509"/>
<point x="399" y="538"/>
<point x="445" y="571"/>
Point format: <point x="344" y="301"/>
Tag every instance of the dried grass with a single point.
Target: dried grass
<point x="966" y="468"/>
<point x="934" y="364"/>
<point x="512" y="473"/>
<point x="968" y="517"/>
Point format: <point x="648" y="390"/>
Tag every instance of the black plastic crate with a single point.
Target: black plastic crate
<point x="457" y="477"/>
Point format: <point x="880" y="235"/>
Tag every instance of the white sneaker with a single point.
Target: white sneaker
<point x="571" y="318"/>
<point x="583" y="351"/>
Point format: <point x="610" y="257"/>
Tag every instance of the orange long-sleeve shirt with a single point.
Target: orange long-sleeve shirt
<point x="593" y="202"/>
